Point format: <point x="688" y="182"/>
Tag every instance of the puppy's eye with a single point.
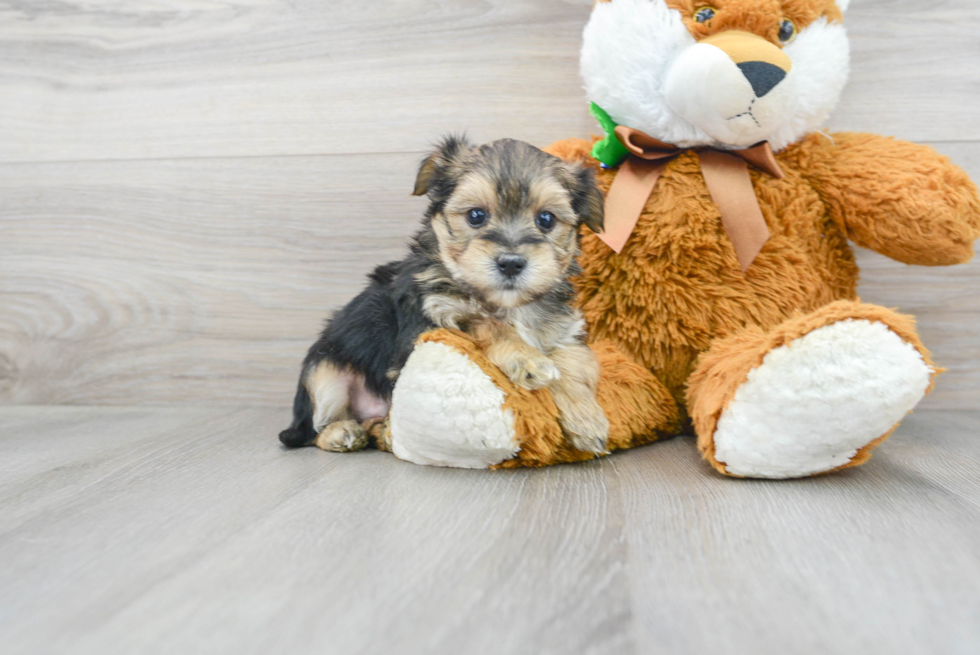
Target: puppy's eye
<point x="787" y="31"/>
<point x="476" y="217"/>
<point x="546" y="221"/>
<point x="704" y="14"/>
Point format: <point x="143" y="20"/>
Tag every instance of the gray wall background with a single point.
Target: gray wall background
<point x="187" y="186"/>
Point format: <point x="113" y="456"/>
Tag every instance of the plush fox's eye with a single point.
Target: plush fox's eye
<point x="476" y="217"/>
<point x="704" y="14"/>
<point x="787" y="31"/>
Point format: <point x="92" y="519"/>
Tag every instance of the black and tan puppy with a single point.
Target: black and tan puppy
<point x="493" y="259"/>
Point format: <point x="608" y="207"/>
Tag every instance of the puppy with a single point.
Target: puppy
<point x="493" y="259"/>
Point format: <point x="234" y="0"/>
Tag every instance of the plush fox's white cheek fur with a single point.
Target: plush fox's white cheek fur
<point x="628" y="48"/>
<point x="641" y="64"/>
<point x="821" y="57"/>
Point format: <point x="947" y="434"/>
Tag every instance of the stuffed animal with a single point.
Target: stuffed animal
<point x="722" y="295"/>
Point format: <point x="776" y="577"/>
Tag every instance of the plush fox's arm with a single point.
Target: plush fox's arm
<point x="902" y="200"/>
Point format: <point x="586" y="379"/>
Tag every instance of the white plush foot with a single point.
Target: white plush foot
<point x="814" y="403"/>
<point x="447" y="412"/>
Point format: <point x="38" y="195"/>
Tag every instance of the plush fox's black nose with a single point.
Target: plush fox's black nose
<point x="511" y="265"/>
<point x="763" y="77"/>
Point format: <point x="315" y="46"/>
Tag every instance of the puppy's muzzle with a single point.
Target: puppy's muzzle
<point x="510" y="266"/>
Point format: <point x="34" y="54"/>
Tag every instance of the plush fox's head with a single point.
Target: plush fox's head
<point x="720" y="73"/>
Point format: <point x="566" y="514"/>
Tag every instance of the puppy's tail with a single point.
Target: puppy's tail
<point x="300" y="433"/>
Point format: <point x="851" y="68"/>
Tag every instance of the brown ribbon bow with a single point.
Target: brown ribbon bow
<point x="726" y="173"/>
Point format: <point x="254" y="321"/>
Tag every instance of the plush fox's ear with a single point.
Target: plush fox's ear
<point x="587" y="200"/>
<point x="434" y="166"/>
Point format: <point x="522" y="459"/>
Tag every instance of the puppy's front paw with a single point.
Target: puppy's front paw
<point x="531" y="371"/>
<point x="587" y="430"/>
<point x="342" y="437"/>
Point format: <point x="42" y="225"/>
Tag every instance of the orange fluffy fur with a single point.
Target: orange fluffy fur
<point x="761" y="18"/>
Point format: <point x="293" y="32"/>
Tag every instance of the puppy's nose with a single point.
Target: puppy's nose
<point x="763" y="76"/>
<point x="511" y="265"/>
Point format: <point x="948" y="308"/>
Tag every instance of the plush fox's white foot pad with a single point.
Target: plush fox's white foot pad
<point x="815" y="402"/>
<point x="447" y="412"/>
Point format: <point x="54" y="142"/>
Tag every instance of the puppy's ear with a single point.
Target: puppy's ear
<point x="587" y="200"/>
<point x="435" y="166"/>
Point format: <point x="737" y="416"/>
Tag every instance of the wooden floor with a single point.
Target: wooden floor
<point x="191" y="531"/>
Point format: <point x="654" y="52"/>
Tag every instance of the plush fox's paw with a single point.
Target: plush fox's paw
<point x="342" y="437"/>
<point x="446" y="411"/>
<point x="827" y="389"/>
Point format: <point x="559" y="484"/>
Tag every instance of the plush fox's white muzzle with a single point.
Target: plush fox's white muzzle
<point x="735" y="86"/>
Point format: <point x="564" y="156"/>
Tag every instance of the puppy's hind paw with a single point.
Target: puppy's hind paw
<point x="342" y="437"/>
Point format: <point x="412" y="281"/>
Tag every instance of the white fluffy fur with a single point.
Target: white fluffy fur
<point x="627" y="50"/>
<point x="447" y="412"/>
<point x="843" y="4"/>
<point x="814" y="403"/>
<point x="821" y="56"/>
<point x="631" y="46"/>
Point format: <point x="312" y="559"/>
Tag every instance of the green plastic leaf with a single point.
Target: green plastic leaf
<point x="609" y="151"/>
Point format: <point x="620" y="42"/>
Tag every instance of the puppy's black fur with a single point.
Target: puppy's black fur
<point x="373" y="335"/>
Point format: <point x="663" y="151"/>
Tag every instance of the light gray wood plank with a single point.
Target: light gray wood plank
<point x="186" y="281"/>
<point x="182" y="78"/>
<point x="881" y="559"/>
<point x="67" y="441"/>
<point x="136" y="523"/>
<point x="204" y="281"/>
<point x="913" y="70"/>
<point x="214" y="540"/>
<point x="217" y="540"/>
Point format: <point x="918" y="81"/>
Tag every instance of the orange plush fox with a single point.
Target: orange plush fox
<point x="722" y="295"/>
